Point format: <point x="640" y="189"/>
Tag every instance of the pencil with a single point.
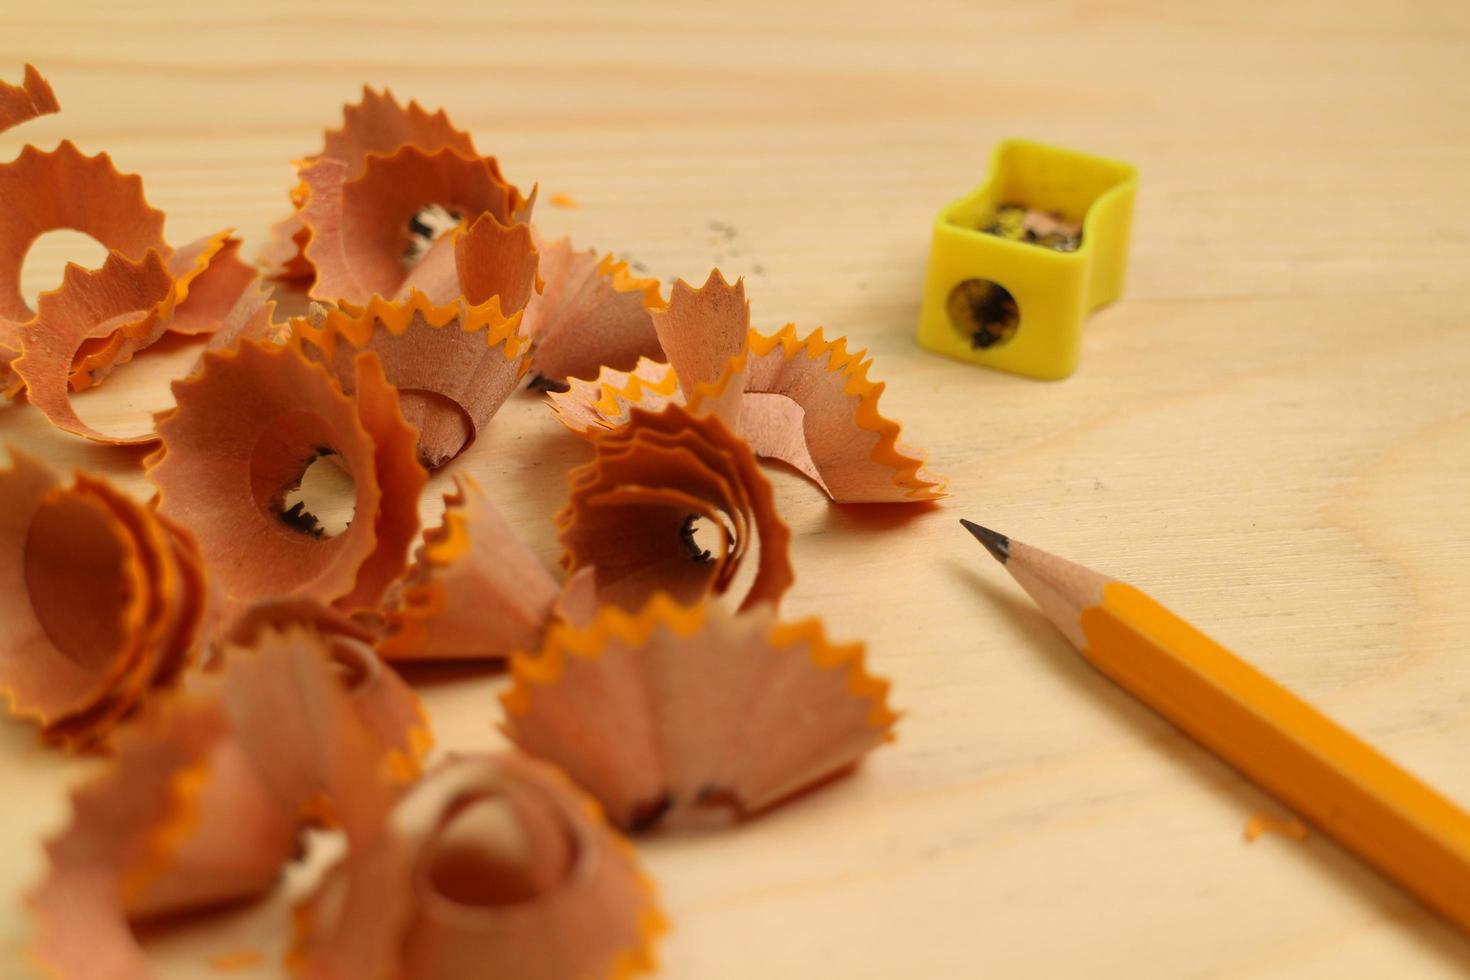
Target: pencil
<point x="1333" y="779"/>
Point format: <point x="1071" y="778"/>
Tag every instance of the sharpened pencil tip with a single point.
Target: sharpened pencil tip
<point x="996" y="543"/>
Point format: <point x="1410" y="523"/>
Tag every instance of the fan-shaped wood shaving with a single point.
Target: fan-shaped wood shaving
<point x="589" y="407"/>
<point x="809" y="403"/>
<point x="378" y="124"/>
<point x="491" y="867"/>
<point x="703" y="328"/>
<point x="495" y="260"/>
<point x="65" y="189"/>
<point x="203" y="803"/>
<point x="180" y="820"/>
<point x="31" y="98"/>
<point x="804" y="401"/>
<point x="474" y="591"/>
<point x="360" y="228"/>
<point x="383" y="702"/>
<point x="121" y="299"/>
<point x="166" y="641"/>
<point x="244" y="430"/>
<point x="335" y="745"/>
<point x="593" y="312"/>
<point x="207" y="278"/>
<point x="687" y="714"/>
<point x="453" y="365"/>
<point x="632" y="508"/>
<point x="375" y="125"/>
<point x="103" y="602"/>
<point x="98" y="319"/>
<point x="73" y="590"/>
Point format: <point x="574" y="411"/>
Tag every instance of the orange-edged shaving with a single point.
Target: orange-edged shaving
<point x="208" y="293"/>
<point x="474" y="590"/>
<point x="63" y="188"/>
<point x="593" y="313"/>
<point x="688" y="714"/>
<point x="244" y="430"/>
<point x="122" y="301"/>
<point x="495" y="260"/>
<point x="31" y="98"/>
<point x="123" y="307"/>
<point x="366" y="235"/>
<point x="382" y="701"/>
<point x="253" y="317"/>
<point x="494" y="867"/>
<point x="98" y="319"/>
<point x="674" y="502"/>
<point x="806" y="401"/>
<point x="204" y="801"/>
<point x="102" y="601"/>
<point x="180" y="821"/>
<point x="376" y="125"/>
<point x="809" y="403"/>
<point x="335" y="737"/>
<point x="453" y="365"/>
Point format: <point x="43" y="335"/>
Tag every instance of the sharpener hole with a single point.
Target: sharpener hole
<point x="984" y="313"/>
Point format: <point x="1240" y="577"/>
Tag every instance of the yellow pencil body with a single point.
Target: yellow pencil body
<point x="1336" y="781"/>
<point x="1316" y="767"/>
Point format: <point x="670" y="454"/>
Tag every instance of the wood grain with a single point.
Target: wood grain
<point x="1270" y="433"/>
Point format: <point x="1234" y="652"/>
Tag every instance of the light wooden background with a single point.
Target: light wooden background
<point x="1271" y="432"/>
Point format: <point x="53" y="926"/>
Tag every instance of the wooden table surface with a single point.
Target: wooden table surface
<point x="1270" y="431"/>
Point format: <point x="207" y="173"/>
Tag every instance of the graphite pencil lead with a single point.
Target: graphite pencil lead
<point x="996" y="543"/>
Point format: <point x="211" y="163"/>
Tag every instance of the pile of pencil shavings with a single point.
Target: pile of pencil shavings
<point x="230" y="659"/>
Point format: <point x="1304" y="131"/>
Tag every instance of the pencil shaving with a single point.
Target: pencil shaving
<point x="805" y="401"/>
<point x="97" y="320"/>
<point x="474" y="590"/>
<point x="123" y="301"/>
<point x="453" y="365"/>
<point x="65" y="189"/>
<point x="494" y="260"/>
<point x="638" y="509"/>
<point x="593" y="313"/>
<point x="103" y="602"/>
<point x="362" y="230"/>
<point x="179" y="821"/>
<point x="809" y="403"/>
<point x="382" y="701"/>
<point x="203" y="803"/>
<point x="33" y="97"/>
<point x="284" y="258"/>
<point x="207" y="280"/>
<point x="253" y="317"/>
<point x="1264" y="823"/>
<point x="174" y="619"/>
<point x="589" y="407"/>
<point x="244" y="430"/>
<point x="703" y="328"/>
<point x="491" y="867"/>
<point x="690" y="715"/>
<point x="376" y="125"/>
<point x="207" y="299"/>
<point x="336" y="740"/>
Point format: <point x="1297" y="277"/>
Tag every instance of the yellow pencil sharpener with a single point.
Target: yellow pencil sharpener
<point x="1018" y="264"/>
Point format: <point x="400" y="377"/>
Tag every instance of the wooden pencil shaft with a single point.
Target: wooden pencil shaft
<point x="1329" y="776"/>
<point x="1388" y="817"/>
